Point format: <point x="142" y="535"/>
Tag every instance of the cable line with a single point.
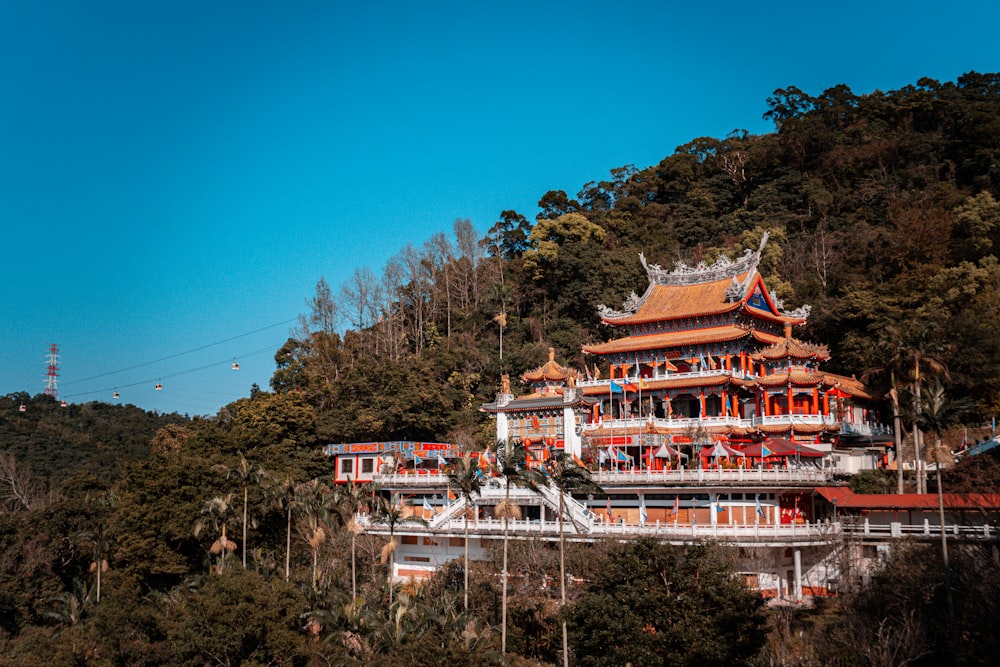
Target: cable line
<point x="159" y="378"/>
<point x="179" y="354"/>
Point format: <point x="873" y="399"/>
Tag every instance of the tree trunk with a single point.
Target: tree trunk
<point x="244" y="527"/>
<point x="944" y="542"/>
<point x="562" y="584"/>
<point x="288" y="545"/>
<point x="503" y="578"/>
<point x="354" y="568"/>
<point x="898" y="437"/>
<point x="466" y="554"/>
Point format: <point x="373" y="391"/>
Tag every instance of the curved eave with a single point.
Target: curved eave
<point x="673" y="339"/>
<point x="851" y="386"/>
<point x="771" y="317"/>
<point x="797" y="379"/>
<point x="662" y="317"/>
<point x="536" y="405"/>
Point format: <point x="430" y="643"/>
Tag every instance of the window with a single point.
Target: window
<point x="367" y="466"/>
<point x="347" y="466"/>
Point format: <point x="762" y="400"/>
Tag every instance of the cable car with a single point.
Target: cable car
<point x="63" y="404"/>
<point x="159" y="386"/>
<point x="236" y="366"/>
<point x="23" y="408"/>
<point x="116" y="395"/>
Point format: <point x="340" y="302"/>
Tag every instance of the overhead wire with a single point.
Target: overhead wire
<point x="179" y="354"/>
<point x="158" y="378"/>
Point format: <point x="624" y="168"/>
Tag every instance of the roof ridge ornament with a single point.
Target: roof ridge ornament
<point x="722" y="268"/>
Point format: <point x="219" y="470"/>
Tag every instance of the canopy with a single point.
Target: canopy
<point x="721" y="451"/>
<point x="780" y="447"/>
<point x="667" y="452"/>
<point x="616" y="454"/>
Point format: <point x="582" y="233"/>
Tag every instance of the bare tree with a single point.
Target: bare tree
<point x="18" y="487"/>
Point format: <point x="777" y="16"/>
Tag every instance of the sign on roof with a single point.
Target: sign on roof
<point x="405" y="448"/>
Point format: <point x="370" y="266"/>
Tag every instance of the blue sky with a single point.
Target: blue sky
<point x="176" y="176"/>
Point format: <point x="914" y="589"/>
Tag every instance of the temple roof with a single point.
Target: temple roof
<point x="675" y="339"/>
<point x="702" y="290"/>
<point x="847" y="499"/>
<point x="848" y="385"/>
<point x="792" y="348"/>
<point x="797" y="377"/>
<point x="553" y="399"/>
<point x="550" y="371"/>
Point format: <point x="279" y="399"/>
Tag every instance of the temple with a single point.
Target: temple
<point x="707" y="357"/>
<point x="705" y="419"/>
<point x="548" y="418"/>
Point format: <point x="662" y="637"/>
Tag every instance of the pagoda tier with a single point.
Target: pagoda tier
<point x="709" y="348"/>
<point x="549" y="417"/>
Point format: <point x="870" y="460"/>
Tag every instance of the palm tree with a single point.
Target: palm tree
<point x="566" y="476"/>
<point x="936" y="415"/>
<point x="512" y="465"/>
<point x="466" y="476"/>
<point x="908" y="356"/>
<point x="316" y="501"/>
<point x="392" y="514"/>
<point x="216" y="513"/>
<point x="351" y="498"/>
<point x="97" y="541"/>
<point x="284" y="496"/>
<point x="247" y="475"/>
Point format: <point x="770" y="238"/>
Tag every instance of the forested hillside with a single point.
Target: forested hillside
<point x="882" y="212"/>
<point x="129" y="538"/>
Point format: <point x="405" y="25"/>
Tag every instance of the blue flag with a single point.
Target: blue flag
<point x="760" y="510"/>
<point x="427" y="505"/>
<point x="615" y="387"/>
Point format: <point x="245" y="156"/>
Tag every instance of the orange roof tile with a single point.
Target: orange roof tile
<point x="674" y="339"/>
<point x="792" y="348"/>
<point x="847" y="499"/>
<point x="663" y="302"/>
<point x="848" y="385"/>
<point x="799" y="378"/>
<point x="550" y="371"/>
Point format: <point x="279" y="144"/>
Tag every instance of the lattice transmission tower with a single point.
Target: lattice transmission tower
<point x="52" y="372"/>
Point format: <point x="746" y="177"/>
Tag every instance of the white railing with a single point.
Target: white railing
<point x="794" y="419"/>
<point x="667" y="530"/>
<point x="430" y="478"/>
<point x="728" y="532"/>
<point x="659" y="477"/>
<point x="712" y="475"/>
<point x="925" y="529"/>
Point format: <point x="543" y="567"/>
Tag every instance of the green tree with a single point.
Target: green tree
<point x="657" y="604"/>
<point x="247" y="474"/>
<point x="238" y="618"/>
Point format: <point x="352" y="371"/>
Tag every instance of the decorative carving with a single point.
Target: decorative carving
<point x="800" y="312"/>
<point x="682" y="274"/>
<point x="735" y="290"/>
<point x="505" y="384"/>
